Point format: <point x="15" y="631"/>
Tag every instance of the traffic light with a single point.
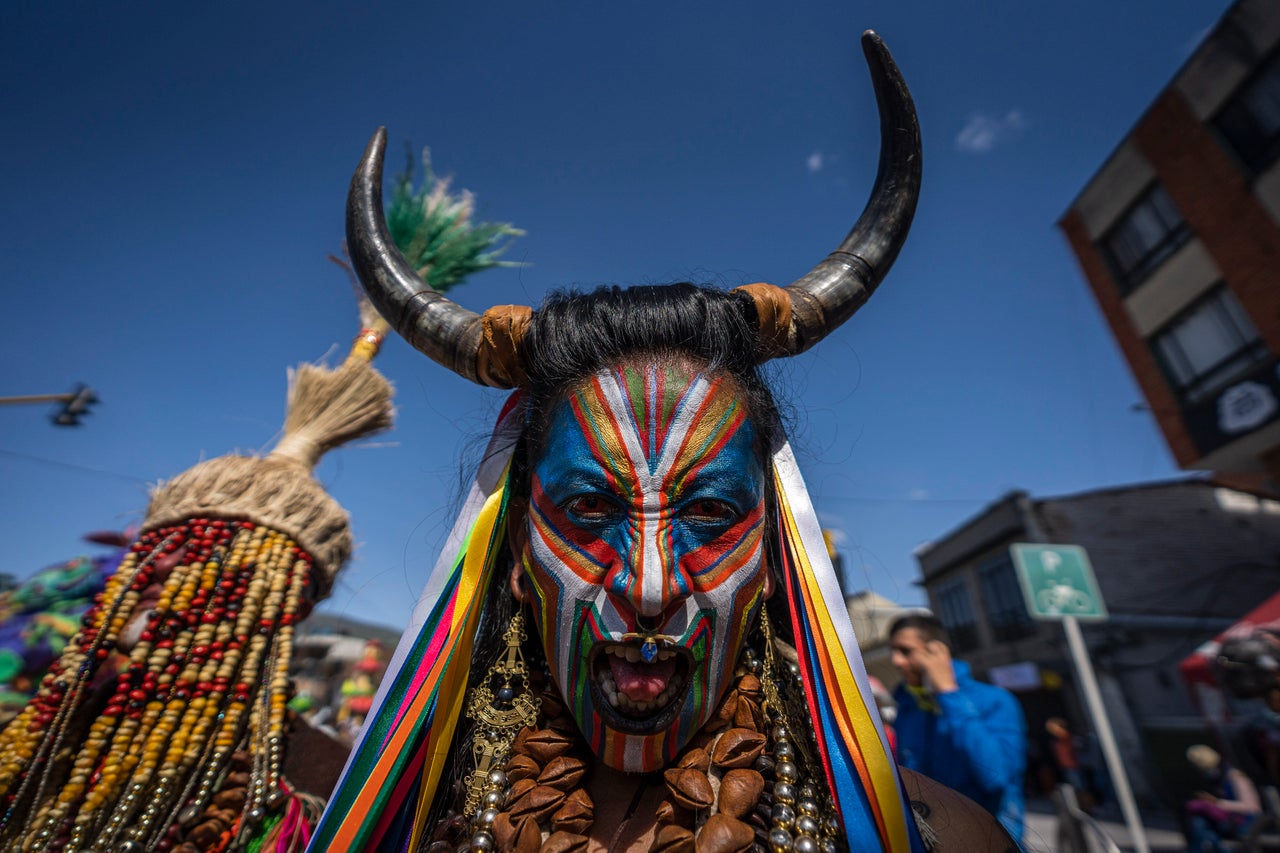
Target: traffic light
<point x="76" y="404"/>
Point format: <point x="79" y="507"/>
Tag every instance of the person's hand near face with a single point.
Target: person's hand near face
<point x="935" y="660"/>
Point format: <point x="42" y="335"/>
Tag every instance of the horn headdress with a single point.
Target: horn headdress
<point x="387" y="800"/>
<point x="485" y="348"/>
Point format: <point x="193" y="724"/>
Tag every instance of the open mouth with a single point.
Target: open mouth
<point x="636" y="695"/>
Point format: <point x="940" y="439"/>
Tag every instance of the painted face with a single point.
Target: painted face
<point x="645" y="554"/>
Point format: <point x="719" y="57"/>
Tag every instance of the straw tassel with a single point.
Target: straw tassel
<point x="186" y="753"/>
<point x="188" y="750"/>
<point x="328" y="408"/>
<point x="331" y="407"/>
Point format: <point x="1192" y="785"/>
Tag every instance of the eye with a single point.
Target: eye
<point x="709" y="511"/>
<point x="592" y="508"/>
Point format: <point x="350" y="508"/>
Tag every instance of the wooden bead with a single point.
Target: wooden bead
<point x="689" y="788"/>
<point x="565" y="842"/>
<point x="672" y="839"/>
<point x="737" y="747"/>
<point x="724" y="834"/>
<point x="563" y="772"/>
<point x="739" y="791"/>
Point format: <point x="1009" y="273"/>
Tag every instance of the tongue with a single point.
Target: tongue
<point x="639" y="681"/>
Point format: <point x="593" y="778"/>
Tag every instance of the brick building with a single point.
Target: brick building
<point x="1176" y="563"/>
<point x="1178" y="235"/>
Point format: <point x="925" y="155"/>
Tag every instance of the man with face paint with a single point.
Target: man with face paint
<point x="634" y="639"/>
<point x="643" y="548"/>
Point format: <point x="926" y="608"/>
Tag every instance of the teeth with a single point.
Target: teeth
<point x="620" y="701"/>
<point x="633" y="654"/>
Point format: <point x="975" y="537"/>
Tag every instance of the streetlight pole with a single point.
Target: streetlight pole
<point x="74" y="403"/>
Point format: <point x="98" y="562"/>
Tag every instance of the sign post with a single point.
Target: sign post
<point x="1058" y="585"/>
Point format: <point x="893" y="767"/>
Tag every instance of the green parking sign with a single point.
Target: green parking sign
<point x="1057" y="581"/>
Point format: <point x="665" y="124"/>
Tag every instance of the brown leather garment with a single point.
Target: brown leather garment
<point x="957" y="821"/>
<point x="313" y="760"/>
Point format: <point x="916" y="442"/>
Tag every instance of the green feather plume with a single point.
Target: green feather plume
<point x="434" y="231"/>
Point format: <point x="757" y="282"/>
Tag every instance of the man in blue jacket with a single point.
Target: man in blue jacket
<point x="963" y="733"/>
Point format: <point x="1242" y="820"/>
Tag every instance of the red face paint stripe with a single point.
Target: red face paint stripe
<point x="710" y="444"/>
<point x="712" y="574"/>
<point x="589" y="564"/>
<point x="603" y="439"/>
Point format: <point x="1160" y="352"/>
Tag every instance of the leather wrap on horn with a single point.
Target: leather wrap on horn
<point x="838" y="286"/>
<point x="431" y="323"/>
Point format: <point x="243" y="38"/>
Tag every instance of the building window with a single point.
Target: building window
<point x="1002" y="598"/>
<point x="1250" y="122"/>
<point x="1208" y="345"/>
<point x="955" y="610"/>
<point x="1144" y="237"/>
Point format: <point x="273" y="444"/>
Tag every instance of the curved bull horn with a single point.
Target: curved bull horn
<point x="819" y="302"/>
<point x="432" y="324"/>
<point x="838" y="286"/>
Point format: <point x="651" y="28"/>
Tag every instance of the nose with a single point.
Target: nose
<point x="648" y="624"/>
<point x="648" y="579"/>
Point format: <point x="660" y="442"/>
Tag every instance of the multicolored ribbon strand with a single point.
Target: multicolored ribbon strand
<point x="402" y="750"/>
<point x="851" y="741"/>
<point x="381" y="802"/>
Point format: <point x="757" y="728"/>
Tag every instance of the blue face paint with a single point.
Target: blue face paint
<point x="645" y="550"/>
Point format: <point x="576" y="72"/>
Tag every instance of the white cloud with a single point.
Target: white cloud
<point x="984" y="132"/>
<point x="814" y="162"/>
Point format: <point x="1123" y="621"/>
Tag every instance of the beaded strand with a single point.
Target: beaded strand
<point x="40" y="731"/>
<point x="748" y="781"/>
<point x="208" y="675"/>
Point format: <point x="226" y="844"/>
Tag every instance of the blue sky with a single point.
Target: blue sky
<point x="174" y="176"/>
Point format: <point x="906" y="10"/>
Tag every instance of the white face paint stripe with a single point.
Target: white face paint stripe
<point x="649" y="574"/>
<point x="647" y="543"/>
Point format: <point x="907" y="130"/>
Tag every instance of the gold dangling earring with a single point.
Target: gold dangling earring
<point x="498" y="715"/>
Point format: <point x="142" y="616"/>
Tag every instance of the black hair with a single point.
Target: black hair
<point x="1249" y="667"/>
<point x="929" y="626"/>
<point x="575" y="335"/>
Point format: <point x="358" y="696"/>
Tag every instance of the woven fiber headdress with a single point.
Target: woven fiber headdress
<point x="184" y="748"/>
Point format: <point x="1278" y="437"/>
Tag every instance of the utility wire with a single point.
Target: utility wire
<point x="864" y="500"/>
<point x="85" y="469"/>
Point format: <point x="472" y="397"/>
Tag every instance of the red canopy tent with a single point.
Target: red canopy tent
<point x="1197" y="667"/>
